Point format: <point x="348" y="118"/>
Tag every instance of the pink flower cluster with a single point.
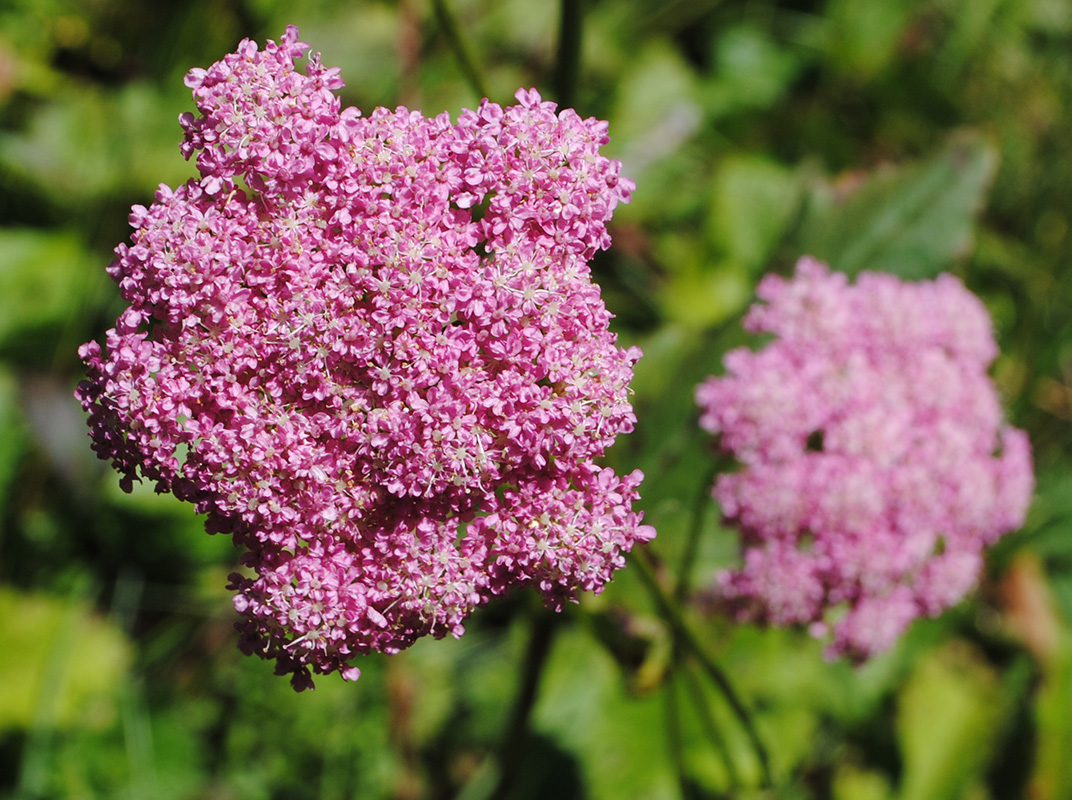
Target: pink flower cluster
<point x="875" y="465"/>
<point x="370" y="349"/>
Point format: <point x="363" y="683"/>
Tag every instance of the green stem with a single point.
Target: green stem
<point x="568" y="63"/>
<point x="515" y="739"/>
<point x="684" y="634"/>
<point x="448" y="23"/>
<point x="707" y="719"/>
<point x="676" y="740"/>
<point x="692" y="542"/>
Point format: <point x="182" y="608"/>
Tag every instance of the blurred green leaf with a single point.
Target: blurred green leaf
<point x="425" y="675"/>
<point x="1053" y="778"/>
<point x="669" y="445"/>
<point x="973" y="21"/>
<point x="706" y="296"/>
<point x="913" y="221"/>
<point x="61" y="664"/>
<point x="751" y="72"/>
<point x="853" y="783"/>
<point x="13" y="438"/>
<point x="658" y="80"/>
<point x="699" y="290"/>
<point x="947" y="722"/>
<point x="271" y="741"/>
<point x="1044" y="16"/>
<point x="864" y="36"/>
<point x="618" y="738"/>
<point x="754" y="201"/>
<point x="43" y="279"/>
<point x="91" y="142"/>
<point x="655" y="115"/>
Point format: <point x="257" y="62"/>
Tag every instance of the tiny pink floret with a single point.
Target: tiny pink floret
<point x="875" y="463"/>
<point x="370" y="348"/>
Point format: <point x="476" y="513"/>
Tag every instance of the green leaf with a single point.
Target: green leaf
<point x="753" y="71"/>
<point x="754" y="201"/>
<point x="659" y="79"/>
<point x="699" y="290"/>
<point x="913" y="221"/>
<point x="864" y="36"/>
<point x="1052" y="704"/>
<point x="89" y="143"/>
<point x="12" y="436"/>
<point x="853" y="783"/>
<point x="61" y="665"/>
<point x="329" y="743"/>
<point x="617" y="738"/>
<point x="43" y="279"/>
<point x="654" y="120"/>
<point x="948" y="718"/>
<point x="706" y="297"/>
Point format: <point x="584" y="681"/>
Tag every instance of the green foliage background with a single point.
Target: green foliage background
<point x="913" y="136"/>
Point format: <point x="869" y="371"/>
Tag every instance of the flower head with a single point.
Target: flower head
<point x="370" y="349"/>
<point x="875" y="465"/>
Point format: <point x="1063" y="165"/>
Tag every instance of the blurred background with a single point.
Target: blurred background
<point x="914" y="136"/>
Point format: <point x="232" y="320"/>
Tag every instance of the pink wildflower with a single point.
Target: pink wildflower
<point x="875" y="465"/>
<point x="370" y="349"/>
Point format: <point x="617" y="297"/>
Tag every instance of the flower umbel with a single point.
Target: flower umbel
<point x="370" y="349"/>
<point x="875" y="465"/>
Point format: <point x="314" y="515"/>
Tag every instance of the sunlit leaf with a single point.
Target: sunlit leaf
<point x="61" y="664"/>
<point x="705" y="297"/>
<point x="947" y="723"/>
<point x="853" y="783"/>
<point x="1053" y="779"/>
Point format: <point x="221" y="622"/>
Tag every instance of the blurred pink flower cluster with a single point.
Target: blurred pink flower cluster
<point x="370" y="348"/>
<point x="875" y="466"/>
